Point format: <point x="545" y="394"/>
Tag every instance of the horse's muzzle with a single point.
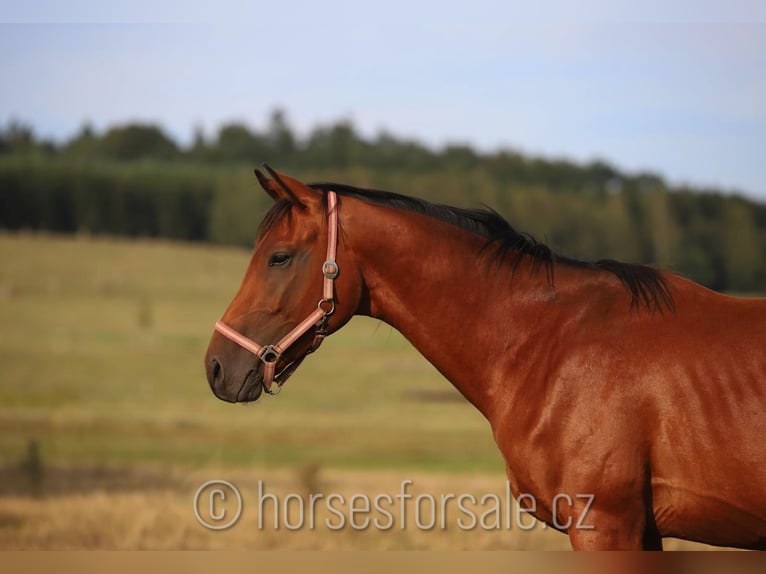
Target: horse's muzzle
<point x="234" y="385"/>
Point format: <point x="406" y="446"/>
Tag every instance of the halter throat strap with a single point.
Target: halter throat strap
<point x="270" y="354"/>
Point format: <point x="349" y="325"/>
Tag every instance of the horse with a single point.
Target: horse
<point x="636" y="393"/>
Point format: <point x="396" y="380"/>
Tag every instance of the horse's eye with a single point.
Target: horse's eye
<point x="279" y="259"/>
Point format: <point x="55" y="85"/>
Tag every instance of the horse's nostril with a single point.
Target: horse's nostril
<point x="216" y="371"/>
<point x="216" y="378"/>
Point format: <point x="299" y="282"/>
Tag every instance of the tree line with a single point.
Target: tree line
<point x="136" y="180"/>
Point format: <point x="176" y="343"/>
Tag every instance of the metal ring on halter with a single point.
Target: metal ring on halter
<point x="330" y="269"/>
<point x="268" y="352"/>
<point x="326" y="311"/>
<point x="274" y="390"/>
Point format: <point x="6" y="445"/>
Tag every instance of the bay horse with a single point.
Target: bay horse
<point x="623" y="382"/>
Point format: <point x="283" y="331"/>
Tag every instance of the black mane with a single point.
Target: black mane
<point x="647" y="286"/>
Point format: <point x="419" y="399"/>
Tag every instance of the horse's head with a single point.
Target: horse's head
<point x="293" y="294"/>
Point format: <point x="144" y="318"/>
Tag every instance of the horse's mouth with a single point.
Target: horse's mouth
<point x="252" y="387"/>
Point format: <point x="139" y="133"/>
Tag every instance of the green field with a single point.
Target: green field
<point x="102" y="344"/>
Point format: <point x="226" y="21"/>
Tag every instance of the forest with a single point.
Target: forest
<point x="135" y="180"/>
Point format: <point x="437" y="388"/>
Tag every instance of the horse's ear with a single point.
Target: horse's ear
<point x="268" y="186"/>
<point x="281" y="186"/>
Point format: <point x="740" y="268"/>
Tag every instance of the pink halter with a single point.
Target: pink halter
<point x="270" y="354"/>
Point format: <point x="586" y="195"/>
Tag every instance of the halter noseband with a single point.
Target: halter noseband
<point x="270" y="354"/>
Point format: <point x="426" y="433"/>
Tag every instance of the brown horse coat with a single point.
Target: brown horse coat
<point x="638" y="387"/>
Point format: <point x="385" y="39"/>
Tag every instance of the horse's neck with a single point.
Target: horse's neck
<point x="431" y="281"/>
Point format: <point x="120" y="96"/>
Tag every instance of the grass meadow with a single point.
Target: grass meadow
<point x="107" y="425"/>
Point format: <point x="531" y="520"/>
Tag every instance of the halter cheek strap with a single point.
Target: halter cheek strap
<point x="270" y="354"/>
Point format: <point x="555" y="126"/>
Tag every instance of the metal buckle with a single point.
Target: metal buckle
<point x="270" y="354"/>
<point x="316" y="343"/>
<point x="330" y="269"/>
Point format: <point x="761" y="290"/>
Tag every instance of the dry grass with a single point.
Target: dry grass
<point x="161" y="517"/>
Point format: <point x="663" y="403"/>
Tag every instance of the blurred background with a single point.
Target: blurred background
<point x="128" y="207"/>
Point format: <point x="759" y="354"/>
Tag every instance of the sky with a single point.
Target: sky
<point x="677" y="91"/>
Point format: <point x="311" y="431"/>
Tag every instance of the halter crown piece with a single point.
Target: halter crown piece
<point x="270" y="354"/>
